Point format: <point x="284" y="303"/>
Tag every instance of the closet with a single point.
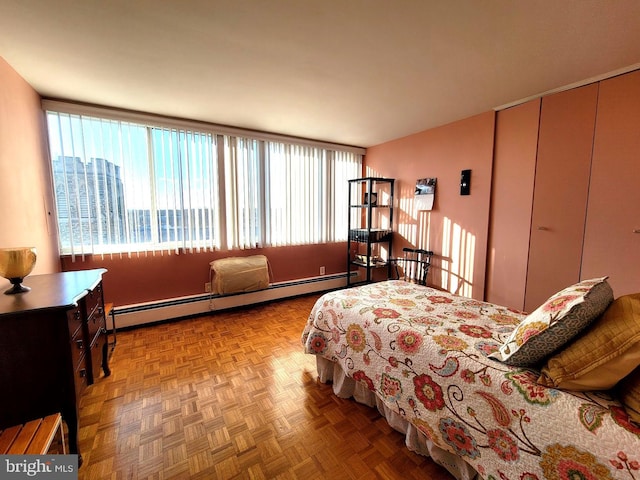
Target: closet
<point x="563" y="203"/>
<point x="514" y="168"/>
<point x="612" y="233"/>
<point x="565" y="140"/>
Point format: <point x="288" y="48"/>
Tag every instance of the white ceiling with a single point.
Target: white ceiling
<point x="356" y="72"/>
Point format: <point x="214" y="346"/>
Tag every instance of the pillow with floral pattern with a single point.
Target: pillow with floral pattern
<point x="554" y="323"/>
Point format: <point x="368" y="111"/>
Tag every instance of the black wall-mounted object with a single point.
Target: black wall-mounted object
<point x="465" y="182"/>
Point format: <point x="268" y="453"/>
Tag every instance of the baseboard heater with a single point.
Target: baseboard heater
<point x="151" y="312"/>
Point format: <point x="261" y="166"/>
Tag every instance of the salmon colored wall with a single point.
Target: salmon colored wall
<point x="514" y="168"/>
<point x="151" y="277"/>
<point x="26" y="198"/>
<point x="457" y="227"/>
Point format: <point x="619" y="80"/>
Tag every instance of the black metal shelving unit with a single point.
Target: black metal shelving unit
<point x="370" y="225"/>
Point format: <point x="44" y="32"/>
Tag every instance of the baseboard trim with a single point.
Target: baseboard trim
<point x="173" y="308"/>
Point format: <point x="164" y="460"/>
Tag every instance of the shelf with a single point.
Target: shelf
<point x="364" y="205"/>
<point x="372" y="179"/>
<point x="364" y="194"/>
<point x="372" y="235"/>
<point x="364" y="240"/>
<point x="373" y="265"/>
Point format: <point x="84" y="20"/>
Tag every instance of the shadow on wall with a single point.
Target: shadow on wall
<point x="453" y="246"/>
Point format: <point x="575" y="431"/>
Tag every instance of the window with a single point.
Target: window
<point x="307" y="203"/>
<point x="126" y="185"/>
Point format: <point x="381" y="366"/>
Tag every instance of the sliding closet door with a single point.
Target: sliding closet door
<point x="565" y="142"/>
<point x="514" y="167"/>
<point x="612" y="236"/>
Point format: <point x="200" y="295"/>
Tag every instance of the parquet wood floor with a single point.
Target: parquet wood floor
<point x="232" y="396"/>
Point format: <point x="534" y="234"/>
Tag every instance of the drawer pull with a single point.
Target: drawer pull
<point x="80" y="344"/>
<point x="83" y="373"/>
<point x="77" y="315"/>
<point x="636" y="230"/>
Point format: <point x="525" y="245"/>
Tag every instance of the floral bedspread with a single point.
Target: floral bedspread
<point x="424" y="353"/>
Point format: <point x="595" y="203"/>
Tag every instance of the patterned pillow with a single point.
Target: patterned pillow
<point x="555" y="322"/>
<point x="606" y="352"/>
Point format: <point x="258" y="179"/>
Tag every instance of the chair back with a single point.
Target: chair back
<point x="415" y="264"/>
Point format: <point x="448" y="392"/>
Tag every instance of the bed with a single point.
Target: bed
<point x="423" y="358"/>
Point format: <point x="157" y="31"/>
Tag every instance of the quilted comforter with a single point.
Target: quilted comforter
<point x="423" y="353"/>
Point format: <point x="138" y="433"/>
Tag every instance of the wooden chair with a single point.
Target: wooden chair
<point x="415" y="264"/>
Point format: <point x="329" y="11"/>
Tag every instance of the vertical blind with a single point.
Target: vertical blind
<point x="184" y="188"/>
<point x="125" y="187"/>
<point x="243" y="192"/>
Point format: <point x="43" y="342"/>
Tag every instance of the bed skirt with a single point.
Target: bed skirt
<point x="416" y="441"/>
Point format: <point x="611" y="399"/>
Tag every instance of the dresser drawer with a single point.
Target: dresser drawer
<point x="74" y="319"/>
<point x="96" y="323"/>
<point x="78" y="349"/>
<point x="96" y="357"/>
<point x="81" y="379"/>
<point x="93" y="299"/>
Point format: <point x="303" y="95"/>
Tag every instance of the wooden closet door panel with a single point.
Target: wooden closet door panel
<point x="514" y="167"/>
<point x="565" y="144"/>
<point x="611" y="247"/>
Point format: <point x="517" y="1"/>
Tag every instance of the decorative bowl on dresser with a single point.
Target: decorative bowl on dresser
<point x="53" y="343"/>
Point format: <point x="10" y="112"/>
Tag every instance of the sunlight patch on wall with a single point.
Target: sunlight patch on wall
<point x="445" y="264"/>
<point x="424" y="223"/>
<point x="406" y="219"/>
<point x="414" y="225"/>
<point x="370" y="172"/>
<point x="384" y="198"/>
<point x="458" y="255"/>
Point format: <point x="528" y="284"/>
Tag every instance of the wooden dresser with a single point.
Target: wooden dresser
<point x="53" y="343"/>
